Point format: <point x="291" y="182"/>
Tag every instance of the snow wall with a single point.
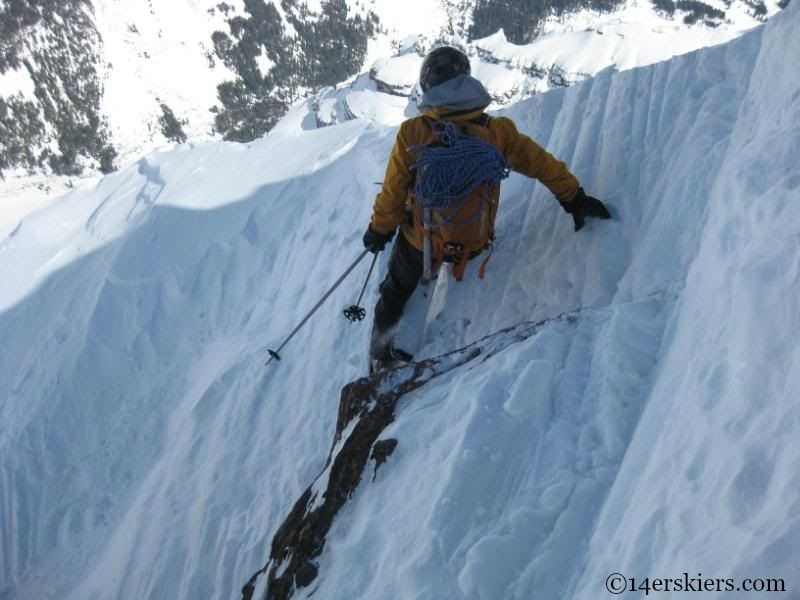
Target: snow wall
<point x="145" y="451"/>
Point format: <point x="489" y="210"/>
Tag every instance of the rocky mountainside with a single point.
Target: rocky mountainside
<point x="279" y="56"/>
<point x="567" y="48"/>
<point x="50" y="89"/>
<point x="90" y="85"/>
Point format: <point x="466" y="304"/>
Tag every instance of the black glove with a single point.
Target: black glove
<point x="375" y="242"/>
<point x="582" y="206"/>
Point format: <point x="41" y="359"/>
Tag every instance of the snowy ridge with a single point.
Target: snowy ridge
<point x="145" y="452"/>
<point x="570" y="49"/>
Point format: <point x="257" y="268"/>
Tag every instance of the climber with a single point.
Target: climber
<point x="452" y="107"/>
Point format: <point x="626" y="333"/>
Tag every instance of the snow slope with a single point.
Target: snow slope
<point x="145" y="452"/>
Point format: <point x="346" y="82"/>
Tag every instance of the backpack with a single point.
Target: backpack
<point x="456" y="193"/>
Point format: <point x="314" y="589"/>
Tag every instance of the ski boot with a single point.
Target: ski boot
<point x="383" y="354"/>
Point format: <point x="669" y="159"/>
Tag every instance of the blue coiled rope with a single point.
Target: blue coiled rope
<point x="448" y="173"/>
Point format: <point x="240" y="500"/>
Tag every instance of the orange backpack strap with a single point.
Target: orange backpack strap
<point x="460" y="265"/>
<point x="485" y="262"/>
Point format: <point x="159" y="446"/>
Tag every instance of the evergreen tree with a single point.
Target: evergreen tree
<point x="171" y="126"/>
<point x="522" y="20"/>
<point x="67" y="91"/>
<point x="325" y="49"/>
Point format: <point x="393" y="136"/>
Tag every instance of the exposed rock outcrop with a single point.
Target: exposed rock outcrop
<point x="366" y="408"/>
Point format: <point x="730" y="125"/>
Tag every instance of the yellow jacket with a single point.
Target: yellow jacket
<point x="522" y="153"/>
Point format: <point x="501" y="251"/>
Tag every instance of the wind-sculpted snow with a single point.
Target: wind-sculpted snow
<point x="366" y="408"/>
<point x="146" y="452"/>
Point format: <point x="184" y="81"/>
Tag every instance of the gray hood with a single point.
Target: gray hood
<point x="462" y="93"/>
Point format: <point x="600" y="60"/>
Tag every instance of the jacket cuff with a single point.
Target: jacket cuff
<point x="380" y="230"/>
<point x="576" y="204"/>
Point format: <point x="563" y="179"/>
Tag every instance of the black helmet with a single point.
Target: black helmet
<point x="442" y="64"/>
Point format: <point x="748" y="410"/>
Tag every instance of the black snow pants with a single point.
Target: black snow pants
<point x="405" y="271"/>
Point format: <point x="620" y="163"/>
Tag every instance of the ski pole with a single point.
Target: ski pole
<point x="275" y="353"/>
<point x="356" y="312"/>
